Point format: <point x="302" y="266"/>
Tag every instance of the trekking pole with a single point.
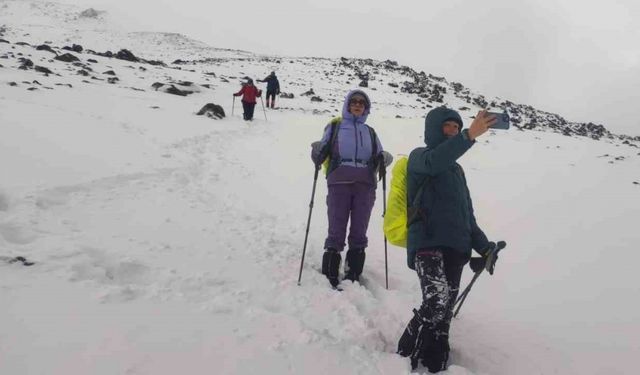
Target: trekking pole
<point x="383" y="172"/>
<point x="306" y="236"/>
<point x="464" y="293"/>
<point x="233" y="106"/>
<point x="263" y="110"/>
<point x="490" y="263"/>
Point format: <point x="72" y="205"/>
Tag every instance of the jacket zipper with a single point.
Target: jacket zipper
<point x="355" y="130"/>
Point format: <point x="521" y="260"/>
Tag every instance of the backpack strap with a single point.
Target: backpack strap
<point x="414" y="211"/>
<point x="331" y="161"/>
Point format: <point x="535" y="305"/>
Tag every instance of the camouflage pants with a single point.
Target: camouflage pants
<point x="426" y="337"/>
<point x="439" y="272"/>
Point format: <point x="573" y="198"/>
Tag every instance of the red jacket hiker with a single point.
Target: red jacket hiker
<point x="249" y="92"/>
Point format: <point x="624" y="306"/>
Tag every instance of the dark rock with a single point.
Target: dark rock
<point x="211" y="110"/>
<point x="36" y="83"/>
<point x="210" y="74"/>
<point x="42" y="69"/>
<point x="286" y="96"/>
<point x="89" y="13"/>
<point x="110" y="72"/>
<point x="13" y="84"/>
<point x="176" y="91"/>
<point x="23" y="44"/>
<point x="83" y="72"/>
<point x="67" y="57"/>
<point x="308" y="93"/>
<point x="26" y="63"/>
<point x="316" y="99"/>
<point x="179" y="62"/>
<point x="636" y="183"/>
<point x="44" y="47"/>
<point x="142" y="68"/>
<point x="92" y="61"/>
<point x="108" y="54"/>
<point x="157" y="85"/>
<point x="64" y="84"/>
<point x="112" y="80"/>
<point x="75" y="48"/>
<point x="4" y="41"/>
<point x="125" y="54"/>
<point x="155" y="62"/>
<point x="364" y="83"/>
<point x="393" y="84"/>
<point x="32" y="88"/>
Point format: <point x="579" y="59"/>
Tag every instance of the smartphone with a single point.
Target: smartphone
<point x="502" y="120"/>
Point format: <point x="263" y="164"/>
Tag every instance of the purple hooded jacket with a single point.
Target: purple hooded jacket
<point x="353" y="146"/>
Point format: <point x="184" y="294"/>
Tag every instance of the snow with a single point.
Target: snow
<point x="167" y="242"/>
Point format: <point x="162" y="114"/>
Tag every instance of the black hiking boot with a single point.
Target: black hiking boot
<point x="410" y="336"/>
<point x="331" y="266"/>
<point x="354" y="264"/>
<point x="435" y="353"/>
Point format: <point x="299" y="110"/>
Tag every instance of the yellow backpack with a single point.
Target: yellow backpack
<point x="395" y="218"/>
<point x="400" y="214"/>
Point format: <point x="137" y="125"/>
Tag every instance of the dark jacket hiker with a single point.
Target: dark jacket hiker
<point x="440" y="239"/>
<point x="273" y="88"/>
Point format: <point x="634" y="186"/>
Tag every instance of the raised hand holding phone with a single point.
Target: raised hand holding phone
<point x="502" y="120"/>
<point x="481" y="124"/>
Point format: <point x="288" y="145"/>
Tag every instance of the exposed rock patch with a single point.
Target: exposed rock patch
<point x="67" y="57"/>
<point x="212" y="111"/>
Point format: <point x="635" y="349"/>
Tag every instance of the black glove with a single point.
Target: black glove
<point x="488" y="259"/>
<point x="382" y="168"/>
<point x="477" y="264"/>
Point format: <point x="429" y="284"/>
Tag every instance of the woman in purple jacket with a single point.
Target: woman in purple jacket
<point x="354" y="153"/>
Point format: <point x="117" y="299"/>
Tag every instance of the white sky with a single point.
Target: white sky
<point x="578" y="59"/>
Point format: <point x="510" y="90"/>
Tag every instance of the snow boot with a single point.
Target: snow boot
<point x="354" y="264"/>
<point x="410" y="341"/>
<point x="331" y="265"/>
<point x="435" y="353"/>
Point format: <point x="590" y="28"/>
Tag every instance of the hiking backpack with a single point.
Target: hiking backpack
<point x="400" y="214"/>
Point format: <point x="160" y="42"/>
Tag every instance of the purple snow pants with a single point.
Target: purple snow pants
<point x="344" y="201"/>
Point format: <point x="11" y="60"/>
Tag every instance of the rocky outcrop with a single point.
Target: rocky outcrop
<point x="211" y="110"/>
<point x="67" y="57"/>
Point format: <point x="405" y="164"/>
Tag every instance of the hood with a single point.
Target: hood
<point x="433" y="135"/>
<point x="345" y="107"/>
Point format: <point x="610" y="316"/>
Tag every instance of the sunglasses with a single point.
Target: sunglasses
<point x="361" y="102"/>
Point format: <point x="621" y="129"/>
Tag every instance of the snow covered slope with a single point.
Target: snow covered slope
<point x="167" y="242"/>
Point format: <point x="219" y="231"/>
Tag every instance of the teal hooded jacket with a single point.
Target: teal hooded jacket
<point x="447" y="219"/>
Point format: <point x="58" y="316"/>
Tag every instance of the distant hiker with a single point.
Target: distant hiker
<point x="440" y="238"/>
<point x="354" y="153"/>
<point x="273" y="88"/>
<point x="249" y="93"/>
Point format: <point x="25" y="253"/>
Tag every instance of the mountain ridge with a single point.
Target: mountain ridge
<point x="426" y="90"/>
